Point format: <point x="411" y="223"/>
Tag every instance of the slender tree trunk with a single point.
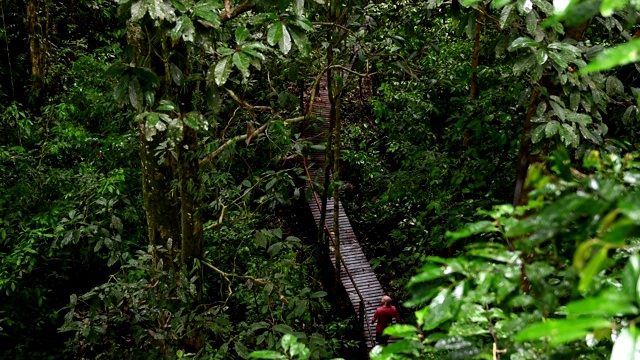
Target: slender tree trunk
<point x="335" y="106"/>
<point x="519" y="195"/>
<point x="36" y="47"/>
<point x="476" y="58"/>
<point x="326" y="180"/>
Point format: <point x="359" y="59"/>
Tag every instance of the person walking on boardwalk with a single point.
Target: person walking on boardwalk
<point x="384" y="315"/>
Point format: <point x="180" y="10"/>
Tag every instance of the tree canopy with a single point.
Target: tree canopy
<point x="153" y="206"/>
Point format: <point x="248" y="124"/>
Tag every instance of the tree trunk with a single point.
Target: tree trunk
<point x="335" y="111"/>
<point x="519" y="195"/>
<point x="476" y="58"/>
<point x="36" y="48"/>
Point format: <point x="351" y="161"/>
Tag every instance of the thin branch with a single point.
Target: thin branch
<point x="216" y="224"/>
<point x="209" y="158"/>
<point x="232" y="275"/>
<point x="234" y="12"/>
<point x="246" y="104"/>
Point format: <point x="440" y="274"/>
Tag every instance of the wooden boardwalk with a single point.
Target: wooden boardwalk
<point x="357" y="277"/>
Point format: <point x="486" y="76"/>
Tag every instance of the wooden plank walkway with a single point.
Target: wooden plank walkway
<point x="357" y="277"/>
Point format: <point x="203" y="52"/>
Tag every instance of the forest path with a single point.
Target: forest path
<point x="357" y="277"/>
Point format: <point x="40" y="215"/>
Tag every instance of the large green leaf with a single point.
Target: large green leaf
<point x="607" y="7"/>
<point x="562" y="331"/>
<point x="135" y="94"/>
<point x="522" y="42"/>
<point x="626" y="345"/>
<point x="285" y="41"/>
<point x="241" y="61"/>
<point x="242" y="33"/>
<point x="222" y="70"/>
<point x="610" y="302"/>
<point x="616" y="56"/>
<point x="275" y="33"/>
<point x="472" y="229"/>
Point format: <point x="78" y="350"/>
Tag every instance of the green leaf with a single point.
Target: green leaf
<point x="206" y="11"/>
<point x="285" y="41"/>
<point x="176" y="75"/>
<point x="562" y="331"/>
<point x="609" y="58"/>
<point x="242" y="350"/>
<point x="537" y="134"/>
<point x="427" y="273"/>
<point x="222" y="70"/>
<point x="472" y="229"/>
<point x="193" y="119"/>
<point x="166" y="105"/>
<point x="152" y="119"/>
<point x="121" y="90"/>
<point x="551" y="128"/>
<point x="147" y="76"/>
<point x="135" y="94"/>
<point x="566" y="47"/>
<point x="242" y="33"/>
<point x="176" y="32"/>
<point x="532" y="22"/>
<point x="631" y="278"/>
<point x="304" y="23"/>
<point x="138" y="10"/>
<point x="593" y="267"/>
<point x="287" y="341"/>
<point x="626" y="345"/>
<point x="116" y="70"/>
<point x="301" y="41"/>
<point x="401" y="330"/>
<point x="73" y="299"/>
<point x="583" y="119"/>
<point x="275" y="33"/>
<point x="610" y="302"/>
<point x="614" y="86"/>
<point x="558" y="110"/>
<point x="266" y="354"/>
<point x="558" y="59"/>
<point x="284" y="329"/>
<point x="318" y="294"/>
<point x="439" y="310"/>
<point x="253" y="53"/>
<point x="522" y="42"/>
<point x="212" y="96"/>
<point x="630" y="206"/>
<point x="275" y="248"/>
<point x="241" y="61"/>
<point x="505" y="15"/>
<point x="607" y="7"/>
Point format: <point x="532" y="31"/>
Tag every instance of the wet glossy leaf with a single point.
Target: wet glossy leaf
<point x="551" y="128"/>
<point x="582" y="119"/>
<point x="135" y="94"/>
<point x="537" y="134"/>
<point x="626" y="345"/>
<point x="505" y="15"/>
<point x="275" y="33"/>
<point x="176" y="74"/>
<point x="222" y="70"/>
<point x="522" y="42"/>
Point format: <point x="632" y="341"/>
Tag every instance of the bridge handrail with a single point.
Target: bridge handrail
<point x="344" y="265"/>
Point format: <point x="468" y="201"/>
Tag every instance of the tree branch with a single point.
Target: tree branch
<point x="209" y="158"/>
<point x="234" y="12"/>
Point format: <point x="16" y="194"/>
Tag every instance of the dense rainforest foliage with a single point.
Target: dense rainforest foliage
<point x="152" y="207"/>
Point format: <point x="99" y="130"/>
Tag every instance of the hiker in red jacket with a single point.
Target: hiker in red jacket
<point x="384" y="316"/>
